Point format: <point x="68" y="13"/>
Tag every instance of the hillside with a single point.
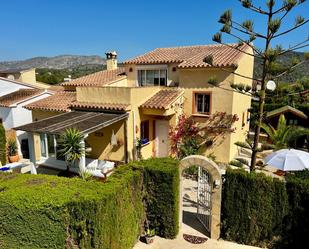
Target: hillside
<point x="56" y="62"/>
<point x="298" y="73"/>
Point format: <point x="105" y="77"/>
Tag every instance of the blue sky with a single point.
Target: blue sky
<point x="87" y="27"/>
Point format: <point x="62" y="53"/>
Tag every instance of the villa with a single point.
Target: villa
<point x="140" y="101"/>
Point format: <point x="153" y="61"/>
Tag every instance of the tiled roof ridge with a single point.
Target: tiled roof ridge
<point x="197" y="46"/>
<point x="110" y="77"/>
<point x="18" y="96"/>
<point x="60" y="101"/>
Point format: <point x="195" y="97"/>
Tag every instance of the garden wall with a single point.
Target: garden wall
<point x="54" y="212"/>
<point x="259" y="210"/>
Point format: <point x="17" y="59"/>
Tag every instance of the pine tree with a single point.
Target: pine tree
<point x="245" y="33"/>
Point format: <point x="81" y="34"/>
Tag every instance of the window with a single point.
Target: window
<point x="293" y="122"/>
<point x="50" y="148"/>
<point x="152" y="77"/>
<point x="202" y="103"/>
<point x="43" y="145"/>
<point x="145" y="132"/>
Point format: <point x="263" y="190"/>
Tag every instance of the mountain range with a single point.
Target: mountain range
<point x="56" y="62"/>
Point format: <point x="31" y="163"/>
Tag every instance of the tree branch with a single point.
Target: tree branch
<point x="248" y="43"/>
<point x="291" y="29"/>
<point x="291" y="68"/>
<point x="295" y="47"/>
<point x="256" y="9"/>
<point x="245" y="31"/>
<point x="284" y="8"/>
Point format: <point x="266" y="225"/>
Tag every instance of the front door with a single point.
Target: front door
<point x="162" y="128"/>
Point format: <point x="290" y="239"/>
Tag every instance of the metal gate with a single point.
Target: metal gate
<point x="204" y="190"/>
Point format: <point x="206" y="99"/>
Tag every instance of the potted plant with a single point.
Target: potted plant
<point x="12" y="151"/>
<point x="149" y="235"/>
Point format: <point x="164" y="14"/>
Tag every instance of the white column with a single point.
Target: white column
<point x="82" y="161"/>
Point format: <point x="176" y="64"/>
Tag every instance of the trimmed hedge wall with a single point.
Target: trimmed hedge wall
<point x="295" y="234"/>
<point x="2" y="144"/>
<point x="253" y="207"/>
<point x="161" y="180"/>
<point x="54" y="212"/>
<point x="258" y="210"/>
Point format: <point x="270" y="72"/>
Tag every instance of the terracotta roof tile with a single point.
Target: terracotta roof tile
<point x="101" y="78"/>
<point x="60" y="101"/>
<point x="100" y="106"/>
<point x="162" y="99"/>
<point x="192" y="56"/>
<point x="18" y="96"/>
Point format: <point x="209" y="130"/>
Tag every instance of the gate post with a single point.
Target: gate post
<point x="215" y="174"/>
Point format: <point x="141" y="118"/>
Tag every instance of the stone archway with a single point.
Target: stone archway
<point x="216" y="181"/>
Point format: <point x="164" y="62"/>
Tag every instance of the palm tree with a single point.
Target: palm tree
<point x="284" y="135"/>
<point x="71" y="146"/>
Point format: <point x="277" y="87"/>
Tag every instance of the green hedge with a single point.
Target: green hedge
<point x="50" y="212"/>
<point x="295" y="234"/>
<point x="161" y="180"/>
<point x="253" y="207"/>
<point x="262" y="211"/>
<point x="2" y="144"/>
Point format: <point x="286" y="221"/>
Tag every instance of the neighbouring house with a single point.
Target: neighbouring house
<point x="24" y="75"/>
<point x="140" y="101"/>
<point x="292" y="115"/>
<point x="14" y="94"/>
<point x="13" y="114"/>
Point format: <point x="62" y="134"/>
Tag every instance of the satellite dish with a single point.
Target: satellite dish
<point x="271" y="85"/>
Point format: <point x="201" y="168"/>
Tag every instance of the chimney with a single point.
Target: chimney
<point x="111" y="60"/>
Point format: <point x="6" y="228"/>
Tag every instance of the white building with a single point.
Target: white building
<point x="13" y="96"/>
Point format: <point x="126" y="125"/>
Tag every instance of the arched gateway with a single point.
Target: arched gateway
<point x="208" y="193"/>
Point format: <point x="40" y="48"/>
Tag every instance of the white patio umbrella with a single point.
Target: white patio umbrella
<point x="288" y="160"/>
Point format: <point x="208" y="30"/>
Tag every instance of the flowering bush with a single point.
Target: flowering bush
<point x="188" y="136"/>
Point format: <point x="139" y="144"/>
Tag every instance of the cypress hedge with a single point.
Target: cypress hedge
<point x="2" y="144"/>
<point x="41" y="211"/>
<point x="258" y="210"/>
<point x="296" y="223"/>
<point x="161" y="180"/>
<point x="253" y="207"/>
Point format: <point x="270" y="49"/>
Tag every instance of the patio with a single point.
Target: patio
<point x="104" y="140"/>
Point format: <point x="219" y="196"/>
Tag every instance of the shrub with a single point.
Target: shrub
<point x="49" y="212"/>
<point x="161" y="180"/>
<point x="40" y="211"/>
<point x="297" y="222"/>
<point x="253" y="207"/>
<point x="2" y="145"/>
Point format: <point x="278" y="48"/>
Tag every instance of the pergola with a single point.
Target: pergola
<point x="85" y="122"/>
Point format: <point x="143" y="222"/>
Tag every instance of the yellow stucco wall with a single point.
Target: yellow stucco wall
<point x="28" y="76"/>
<point x="100" y="142"/>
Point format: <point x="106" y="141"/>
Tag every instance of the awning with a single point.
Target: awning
<point x="85" y="122"/>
